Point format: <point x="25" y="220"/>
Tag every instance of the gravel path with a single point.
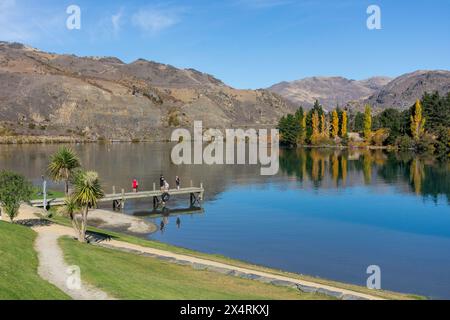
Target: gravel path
<point x="53" y="268"/>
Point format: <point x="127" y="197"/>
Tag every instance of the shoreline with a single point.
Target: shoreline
<point x="214" y="262"/>
<point x="136" y="241"/>
<point x="52" y="140"/>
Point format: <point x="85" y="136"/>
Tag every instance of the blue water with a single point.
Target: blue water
<point x="332" y="234"/>
<point x="326" y="213"/>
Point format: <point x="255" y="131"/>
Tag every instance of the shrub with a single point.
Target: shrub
<point x="380" y="136"/>
<point x="425" y="144"/>
<point x="404" y="142"/>
<point x="14" y="189"/>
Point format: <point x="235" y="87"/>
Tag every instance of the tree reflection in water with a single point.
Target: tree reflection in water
<point x="326" y="168"/>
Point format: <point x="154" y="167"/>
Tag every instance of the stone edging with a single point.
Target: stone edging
<point x="239" y="274"/>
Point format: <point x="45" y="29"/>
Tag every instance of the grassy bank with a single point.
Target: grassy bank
<point x="219" y="258"/>
<point x="130" y="276"/>
<point x="18" y="266"/>
<point x="51" y="194"/>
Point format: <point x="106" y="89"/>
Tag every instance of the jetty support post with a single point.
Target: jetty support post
<point x="201" y="193"/>
<point x="156" y="202"/>
<point x="122" y="201"/>
<point x="196" y="198"/>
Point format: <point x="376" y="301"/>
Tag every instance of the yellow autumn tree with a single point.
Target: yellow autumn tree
<point x="344" y="124"/>
<point x="323" y="124"/>
<point x="335" y="125"/>
<point x="417" y="121"/>
<point x="315" y="124"/>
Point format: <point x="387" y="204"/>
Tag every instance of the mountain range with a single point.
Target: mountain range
<point x="49" y="94"/>
<point x="45" y="93"/>
<point x="379" y="92"/>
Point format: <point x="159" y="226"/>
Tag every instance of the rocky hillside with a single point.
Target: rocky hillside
<point x="379" y="92"/>
<point x="48" y="94"/>
<point x="403" y="91"/>
<point x="329" y="91"/>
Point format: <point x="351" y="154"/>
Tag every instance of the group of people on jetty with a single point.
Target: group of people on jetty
<point x="163" y="184"/>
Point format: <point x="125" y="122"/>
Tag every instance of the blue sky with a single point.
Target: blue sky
<point x="245" y="43"/>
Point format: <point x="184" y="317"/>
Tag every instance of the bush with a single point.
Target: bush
<point x="380" y="136"/>
<point x="14" y="189"/>
<point x="425" y="144"/>
<point x="404" y="142"/>
<point x="322" y="141"/>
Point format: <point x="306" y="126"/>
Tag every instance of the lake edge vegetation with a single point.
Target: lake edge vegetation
<point x="424" y="127"/>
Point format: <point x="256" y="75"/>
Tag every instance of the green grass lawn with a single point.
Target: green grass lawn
<point x="18" y="267"/>
<point x="129" y="276"/>
<point x="51" y="194"/>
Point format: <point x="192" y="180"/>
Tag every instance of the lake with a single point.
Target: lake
<point x="327" y="213"/>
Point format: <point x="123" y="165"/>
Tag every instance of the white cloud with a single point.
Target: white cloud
<point x="116" y="20"/>
<point x="155" y="19"/>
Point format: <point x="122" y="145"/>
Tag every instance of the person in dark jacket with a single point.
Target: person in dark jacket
<point x="162" y="182"/>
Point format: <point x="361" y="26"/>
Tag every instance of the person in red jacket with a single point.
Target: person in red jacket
<point x="135" y="185"/>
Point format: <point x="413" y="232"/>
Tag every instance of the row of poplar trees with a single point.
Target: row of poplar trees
<point x="314" y="126"/>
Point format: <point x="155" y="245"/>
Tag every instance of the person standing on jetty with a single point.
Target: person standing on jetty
<point x="177" y="182"/>
<point x="161" y="182"/>
<point x="135" y="185"/>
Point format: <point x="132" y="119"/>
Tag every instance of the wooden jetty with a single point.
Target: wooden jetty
<point x="159" y="197"/>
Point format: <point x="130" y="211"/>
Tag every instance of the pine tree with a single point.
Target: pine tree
<point x="367" y="123"/>
<point x="335" y="125"/>
<point x="344" y="124"/>
<point x="417" y="121"/>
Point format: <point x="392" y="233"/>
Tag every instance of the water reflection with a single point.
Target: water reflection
<point x="165" y="215"/>
<point x="328" y="212"/>
<point x="326" y="168"/>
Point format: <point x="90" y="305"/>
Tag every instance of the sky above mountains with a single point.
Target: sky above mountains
<point x="245" y="43"/>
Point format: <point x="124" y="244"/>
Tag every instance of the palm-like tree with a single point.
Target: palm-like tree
<point x="71" y="209"/>
<point x="87" y="192"/>
<point x="62" y="166"/>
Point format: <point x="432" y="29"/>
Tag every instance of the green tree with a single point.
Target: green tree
<point x="300" y="117"/>
<point x="367" y="123"/>
<point x="289" y="128"/>
<point x="436" y="110"/>
<point x="87" y="192"/>
<point x="358" y="122"/>
<point x="14" y="189"/>
<point x="62" y="166"/>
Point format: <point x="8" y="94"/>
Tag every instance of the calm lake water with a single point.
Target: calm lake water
<point x="327" y="213"/>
